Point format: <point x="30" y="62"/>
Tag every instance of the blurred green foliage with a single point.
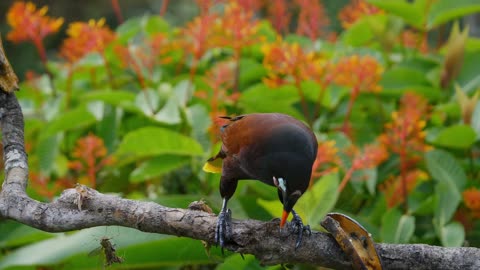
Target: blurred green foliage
<point x="138" y="116"/>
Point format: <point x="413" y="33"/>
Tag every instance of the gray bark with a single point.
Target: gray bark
<point x="83" y="207"/>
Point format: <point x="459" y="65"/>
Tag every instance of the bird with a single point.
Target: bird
<point x="273" y="148"/>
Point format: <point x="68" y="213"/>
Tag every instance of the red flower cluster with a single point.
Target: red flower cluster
<point x="90" y="157"/>
<point x="84" y="38"/>
<point x="356" y="10"/>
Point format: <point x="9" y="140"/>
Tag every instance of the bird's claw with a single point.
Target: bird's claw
<point x="223" y="231"/>
<point x="299" y="229"/>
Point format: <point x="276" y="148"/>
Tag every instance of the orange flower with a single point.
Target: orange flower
<point x="44" y="187"/>
<point x="195" y="38"/>
<point x="279" y="15"/>
<point x="327" y="159"/>
<point x="361" y="73"/>
<point x="312" y="18"/>
<point x="90" y="157"/>
<point x="84" y="38"/>
<point x="405" y="135"/>
<point x="393" y="187"/>
<point x="236" y="28"/>
<point x="220" y="78"/>
<point x="471" y="198"/>
<point x="371" y="156"/>
<point x="413" y="39"/>
<point x="356" y="10"/>
<point x="253" y="5"/>
<point x="206" y="5"/>
<point x="30" y="24"/>
<point x="284" y="61"/>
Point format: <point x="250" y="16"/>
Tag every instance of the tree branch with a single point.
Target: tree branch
<point x="83" y="207"/>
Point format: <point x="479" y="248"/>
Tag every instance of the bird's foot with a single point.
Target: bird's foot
<point x="223" y="231"/>
<point x="299" y="229"/>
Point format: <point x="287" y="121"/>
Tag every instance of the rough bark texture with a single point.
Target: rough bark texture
<point x="83" y="207"/>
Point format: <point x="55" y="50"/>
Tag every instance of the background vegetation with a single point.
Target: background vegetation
<point x="392" y="98"/>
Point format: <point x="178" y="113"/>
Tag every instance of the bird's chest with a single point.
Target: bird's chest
<point x="261" y="165"/>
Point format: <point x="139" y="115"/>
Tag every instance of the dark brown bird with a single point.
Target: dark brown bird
<point x="274" y="148"/>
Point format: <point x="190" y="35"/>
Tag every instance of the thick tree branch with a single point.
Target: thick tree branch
<point x="83" y="207"/>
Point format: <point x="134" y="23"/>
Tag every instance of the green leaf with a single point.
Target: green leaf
<point x="447" y="199"/>
<point x="476" y="120"/>
<point x="260" y="98"/>
<point x="397" y="228"/>
<point x="458" y="137"/>
<point x="453" y="235"/>
<point x="156" y="167"/>
<point x="315" y="202"/>
<point x="154" y="141"/>
<point x="410" y="12"/>
<point x="443" y="167"/>
<point x="60" y="248"/>
<point x="251" y="71"/>
<point x="14" y="234"/>
<point x="443" y="11"/>
<point x="240" y="262"/>
<point x="402" y="77"/>
<point x="118" y="98"/>
<point x="364" y="30"/>
<point x="155" y="24"/>
<point x="145" y="25"/>
<point x="469" y="77"/>
<point x="169" y="114"/>
<point x="47" y="151"/>
<point x="74" y="119"/>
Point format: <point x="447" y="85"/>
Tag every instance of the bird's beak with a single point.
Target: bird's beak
<point x="284" y="218"/>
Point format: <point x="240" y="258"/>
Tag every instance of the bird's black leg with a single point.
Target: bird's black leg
<point x="223" y="231"/>
<point x="299" y="228"/>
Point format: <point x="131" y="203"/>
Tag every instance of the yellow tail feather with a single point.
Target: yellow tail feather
<point x="214" y="166"/>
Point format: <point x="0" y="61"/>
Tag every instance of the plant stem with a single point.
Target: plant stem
<point x="303" y="101"/>
<point x="345" y="179"/>
<point x="163" y="9"/>
<point x="118" y="11"/>
<point x="353" y="97"/>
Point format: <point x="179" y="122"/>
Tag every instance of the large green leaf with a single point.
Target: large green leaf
<point x="452" y="235"/>
<point x="118" y="98"/>
<point x="360" y="32"/>
<point x="476" y="120"/>
<point x="412" y="13"/>
<point x="47" y="151"/>
<point x="154" y="141"/>
<point x="401" y="77"/>
<point x="14" y="234"/>
<point x="74" y="119"/>
<point x="469" y="77"/>
<point x="458" y="136"/>
<point x="157" y="166"/>
<point x="397" y="228"/>
<point x="145" y="25"/>
<point x="260" y="98"/>
<point x="443" y="167"/>
<point x="443" y="11"/>
<point x="58" y="249"/>
<point x="239" y="262"/>
<point x="314" y="204"/>
<point x="447" y="199"/>
<point x="251" y="71"/>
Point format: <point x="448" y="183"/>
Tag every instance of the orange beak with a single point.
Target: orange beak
<point x="284" y="218"/>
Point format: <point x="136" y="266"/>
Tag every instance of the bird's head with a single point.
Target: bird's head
<point x="287" y="196"/>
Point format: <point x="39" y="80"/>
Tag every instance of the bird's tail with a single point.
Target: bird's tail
<point x="213" y="165"/>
